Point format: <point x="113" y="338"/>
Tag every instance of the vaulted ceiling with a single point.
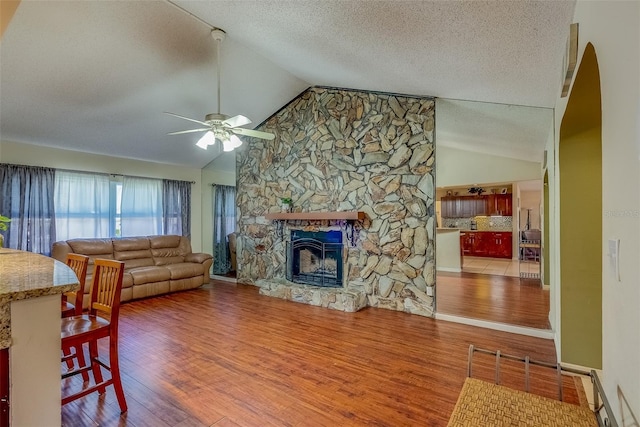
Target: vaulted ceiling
<point x="96" y="76"/>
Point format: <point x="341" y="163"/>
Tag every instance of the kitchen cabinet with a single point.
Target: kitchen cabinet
<point x="466" y="242"/>
<point x="487" y="244"/>
<point x="501" y="245"/>
<point x="463" y="206"/>
<point x="448" y="208"/>
<point x="499" y="204"/>
<point x="481" y="243"/>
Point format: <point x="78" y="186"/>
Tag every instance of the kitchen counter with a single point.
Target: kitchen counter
<point x="30" y="288"/>
<point x="25" y="275"/>
<point x="448" y="251"/>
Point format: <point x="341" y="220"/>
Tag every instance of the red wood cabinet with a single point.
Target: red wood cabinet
<point x="481" y="244"/>
<point x="466" y="242"/>
<point x="501" y="246"/>
<point x="463" y="206"/>
<point x="4" y="387"/>
<point x="499" y="204"/>
<point x="487" y="244"/>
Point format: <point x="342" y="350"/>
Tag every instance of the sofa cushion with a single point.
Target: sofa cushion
<point x="198" y="257"/>
<point x="95" y="248"/>
<point x="166" y="256"/>
<point x="143" y="275"/>
<point x="166" y="249"/>
<point x="131" y="244"/>
<point x="184" y="270"/>
<point x="170" y="241"/>
<point x="127" y="280"/>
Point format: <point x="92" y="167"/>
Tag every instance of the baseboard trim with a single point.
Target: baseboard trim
<point x="520" y="330"/>
<point x="223" y="278"/>
<point x="581" y="368"/>
<point x="449" y="269"/>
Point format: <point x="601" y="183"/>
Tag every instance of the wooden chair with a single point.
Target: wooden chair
<point x="100" y="322"/>
<point x="78" y="263"/>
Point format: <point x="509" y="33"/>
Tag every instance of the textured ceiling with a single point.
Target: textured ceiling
<point x="96" y="76"/>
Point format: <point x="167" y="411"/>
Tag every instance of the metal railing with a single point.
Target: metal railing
<point x="599" y="398"/>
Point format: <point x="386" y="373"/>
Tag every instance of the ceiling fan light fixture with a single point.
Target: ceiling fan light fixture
<point x="219" y="125"/>
<point x="227" y="145"/>
<point x="235" y="141"/>
<point x="207" y="139"/>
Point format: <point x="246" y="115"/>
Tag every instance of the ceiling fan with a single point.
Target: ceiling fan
<point x="220" y="126"/>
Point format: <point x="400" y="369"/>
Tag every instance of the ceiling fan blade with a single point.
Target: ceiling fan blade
<point x="187" y="118"/>
<point x="188" y="131"/>
<point x="234" y="122"/>
<point x="253" y="133"/>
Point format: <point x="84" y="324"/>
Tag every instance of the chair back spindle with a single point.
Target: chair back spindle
<point x="78" y="263"/>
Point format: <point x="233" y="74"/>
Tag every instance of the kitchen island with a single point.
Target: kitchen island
<point x="448" y="251"/>
<point x="30" y="288"/>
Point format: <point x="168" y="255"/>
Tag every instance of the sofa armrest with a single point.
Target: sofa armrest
<point x="197" y="257"/>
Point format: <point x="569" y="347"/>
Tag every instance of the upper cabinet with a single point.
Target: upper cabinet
<point x="470" y="206"/>
<point x="499" y="204"/>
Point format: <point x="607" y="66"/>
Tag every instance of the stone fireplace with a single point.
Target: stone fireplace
<point x="343" y="151"/>
<point x="315" y="258"/>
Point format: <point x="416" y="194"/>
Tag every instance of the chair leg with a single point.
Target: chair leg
<point x="81" y="362"/>
<point x="114" y="364"/>
<point x="66" y="352"/>
<point x="95" y="366"/>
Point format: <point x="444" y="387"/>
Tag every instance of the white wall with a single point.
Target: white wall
<point x="553" y="243"/>
<point x="32" y="155"/>
<point x="530" y="200"/>
<point x="613" y="29"/>
<point x="460" y="167"/>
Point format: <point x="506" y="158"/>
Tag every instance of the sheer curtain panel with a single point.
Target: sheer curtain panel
<point x="82" y="205"/>
<point x="176" y="207"/>
<point x="26" y="196"/>
<point x="224" y="223"/>
<point x="141" y="206"/>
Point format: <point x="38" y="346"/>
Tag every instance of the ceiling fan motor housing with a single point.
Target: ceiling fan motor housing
<point x="215" y="118"/>
<point x="218" y="34"/>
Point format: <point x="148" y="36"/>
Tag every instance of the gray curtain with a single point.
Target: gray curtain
<point x="224" y="223"/>
<point x="176" y="207"/>
<point x="26" y="196"/>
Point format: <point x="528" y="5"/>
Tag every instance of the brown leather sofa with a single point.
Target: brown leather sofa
<point x="154" y="265"/>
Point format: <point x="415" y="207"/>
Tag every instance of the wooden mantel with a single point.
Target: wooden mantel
<point x="295" y="216"/>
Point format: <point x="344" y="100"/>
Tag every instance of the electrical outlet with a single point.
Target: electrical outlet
<point x="430" y="291"/>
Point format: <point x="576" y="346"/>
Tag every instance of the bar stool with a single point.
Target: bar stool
<point x="78" y="263"/>
<point x="100" y="322"/>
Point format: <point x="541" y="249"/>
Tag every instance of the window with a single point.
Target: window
<point x="82" y="205"/>
<point x="90" y="205"/>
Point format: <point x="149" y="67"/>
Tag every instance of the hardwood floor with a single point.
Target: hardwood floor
<point x="223" y="355"/>
<point x="494" y="298"/>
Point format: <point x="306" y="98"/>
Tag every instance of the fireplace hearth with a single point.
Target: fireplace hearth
<point x="315" y="258"/>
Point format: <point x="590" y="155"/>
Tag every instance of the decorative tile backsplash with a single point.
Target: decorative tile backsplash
<point x="483" y="223"/>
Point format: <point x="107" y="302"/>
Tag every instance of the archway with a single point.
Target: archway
<point x="580" y="173"/>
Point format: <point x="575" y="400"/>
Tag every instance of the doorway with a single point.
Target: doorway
<point x="580" y="173"/>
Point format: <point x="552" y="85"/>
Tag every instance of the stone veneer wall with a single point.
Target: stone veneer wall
<point x="340" y="150"/>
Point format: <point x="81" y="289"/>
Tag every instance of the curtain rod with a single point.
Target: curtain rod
<point x="142" y="177"/>
<point x="92" y="172"/>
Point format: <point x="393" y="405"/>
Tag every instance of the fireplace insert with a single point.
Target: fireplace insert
<point x="315" y="258"/>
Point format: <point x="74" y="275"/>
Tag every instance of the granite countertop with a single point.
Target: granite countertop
<point x="26" y="275"/>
